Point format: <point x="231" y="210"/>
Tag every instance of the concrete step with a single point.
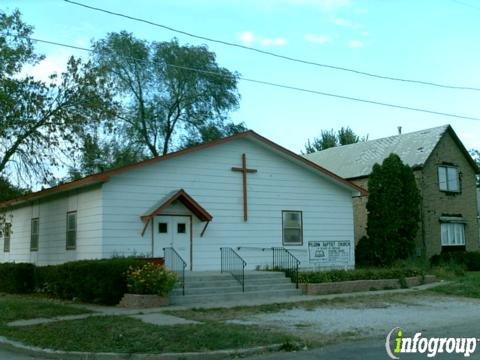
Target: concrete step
<point x="232" y="289"/>
<point x="233" y="296"/>
<point x="250" y="275"/>
<point x="214" y="287"/>
<point x="195" y="284"/>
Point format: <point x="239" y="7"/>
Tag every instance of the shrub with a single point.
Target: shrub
<point x="150" y="279"/>
<point x="470" y="260"/>
<point x="393" y="213"/>
<point x="17" y="278"/>
<point x="358" y="274"/>
<point x="95" y="281"/>
<point x="365" y="254"/>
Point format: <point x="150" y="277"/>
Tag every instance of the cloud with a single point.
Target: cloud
<point x="355" y="44"/>
<point x="248" y="38"/>
<point x="317" y="39"/>
<point x="326" y="5"/>
<point x="345" y="23"/>
<point x="361" y="11"/>
<point x="54" y="63"/>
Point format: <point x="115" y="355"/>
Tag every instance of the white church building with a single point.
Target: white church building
<point x="244" y="194"/>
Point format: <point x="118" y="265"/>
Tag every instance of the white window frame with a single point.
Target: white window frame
<point x="452" y="233"/>
<point x="445" y="171"/>
<point x="34" y="235"/>
<point x="7" y="237"/>
<point x="285" y="227"/>
<point x="71" y="232"/>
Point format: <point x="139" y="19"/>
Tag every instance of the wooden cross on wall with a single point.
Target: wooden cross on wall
<point x="244" y="170"/>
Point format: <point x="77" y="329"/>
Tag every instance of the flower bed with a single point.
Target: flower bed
<point x="364" y="285"/>
<point x="357" y="274"/>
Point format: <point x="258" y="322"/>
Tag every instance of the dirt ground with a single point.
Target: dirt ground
<point x="413" y="312"/>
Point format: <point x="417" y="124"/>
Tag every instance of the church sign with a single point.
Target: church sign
<point x="329" y="253"/>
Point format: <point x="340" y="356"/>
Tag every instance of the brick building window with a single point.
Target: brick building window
<point x="448" y="179"/>
<point x="453" y="234"/>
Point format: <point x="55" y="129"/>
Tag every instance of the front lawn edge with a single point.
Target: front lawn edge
<point x="33" y="351"/>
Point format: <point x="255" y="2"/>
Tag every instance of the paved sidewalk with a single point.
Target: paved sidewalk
<point x="297" y="298"/>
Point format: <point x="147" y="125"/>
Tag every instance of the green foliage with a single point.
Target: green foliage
<point x="98" y="154"/>
<point x="476" y="156"/>
<point x="39" y="121"/>
<point x="94" y="281"/>
<point x="357" y="274"/>
<point x="9" y="191"/>
<point x="123" y="334"/>
<point x="470" y="260"/>
<point x="330" y="138"/>
<point x="468" y="286"/>
<point x="393" y="214"/>
<point x="17" y="278"/>
<point x="212" y="132"/>
<point x="162" y="101"/>
<point x="22" y="307"/>
<point x="150" y="279"/>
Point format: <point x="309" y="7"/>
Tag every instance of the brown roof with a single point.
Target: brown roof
<point x="106" y="175"/>
<point x="182" y="196"/>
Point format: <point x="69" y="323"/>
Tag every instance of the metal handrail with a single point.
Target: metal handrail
<point x="287" y="262"/>
<point x="234" y="264"/>
<point x="174" y="262"/>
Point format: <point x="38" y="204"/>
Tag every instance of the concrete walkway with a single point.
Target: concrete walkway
<point x="151" y="316"/>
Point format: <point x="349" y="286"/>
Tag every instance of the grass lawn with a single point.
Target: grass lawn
<point x="127" y="335"/>
<point x="17" y="307"/>
<point x="123" y="334"/>
<point x="468" y="286"/>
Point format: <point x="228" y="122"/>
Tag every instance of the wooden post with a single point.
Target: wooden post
<point x="244" y="170"/>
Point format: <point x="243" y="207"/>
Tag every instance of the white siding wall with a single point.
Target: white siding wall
<point x="52" y="214"/>
<point x="206" y="175"/>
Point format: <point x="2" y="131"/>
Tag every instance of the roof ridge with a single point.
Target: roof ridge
<point x="378" y="139"/>
<point x="105" y="176"/>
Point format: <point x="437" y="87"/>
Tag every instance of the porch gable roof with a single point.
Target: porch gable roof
<point x="177" y="195"/>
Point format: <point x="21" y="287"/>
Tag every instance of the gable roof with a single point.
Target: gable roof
<point x="357" y="160"/>
<point x="100" y="178"/>
<point x="182" y="196"/>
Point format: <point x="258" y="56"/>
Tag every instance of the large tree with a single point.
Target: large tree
<point x="170" y="93"/>
<point x="393" y="214"/>
<point x="39" y="120"/>
<point x="332" y="138"/>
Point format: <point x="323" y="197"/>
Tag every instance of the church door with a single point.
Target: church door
<point x="173" y="231"/>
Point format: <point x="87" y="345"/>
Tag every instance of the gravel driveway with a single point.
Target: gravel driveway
<point x="414" y="312"/>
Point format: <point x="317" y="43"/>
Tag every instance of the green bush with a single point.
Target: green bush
<point x="17" y="278"/>
<point x="358" y="274"/>
<point x="393" y="208"/>
<point x="470" y="260"/>
<point x="150" y="279"/>
<point x="94" y="281"/>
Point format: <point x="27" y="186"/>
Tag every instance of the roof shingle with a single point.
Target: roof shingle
<point x="357" y="160"/>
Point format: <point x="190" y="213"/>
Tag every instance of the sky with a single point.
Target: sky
<point x="428" y="40"/>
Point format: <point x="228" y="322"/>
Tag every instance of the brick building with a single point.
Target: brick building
<point x="445" y="174"/>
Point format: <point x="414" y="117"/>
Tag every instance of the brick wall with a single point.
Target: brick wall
<point x="434" y="202"/>
<point x="437" y="203"/>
